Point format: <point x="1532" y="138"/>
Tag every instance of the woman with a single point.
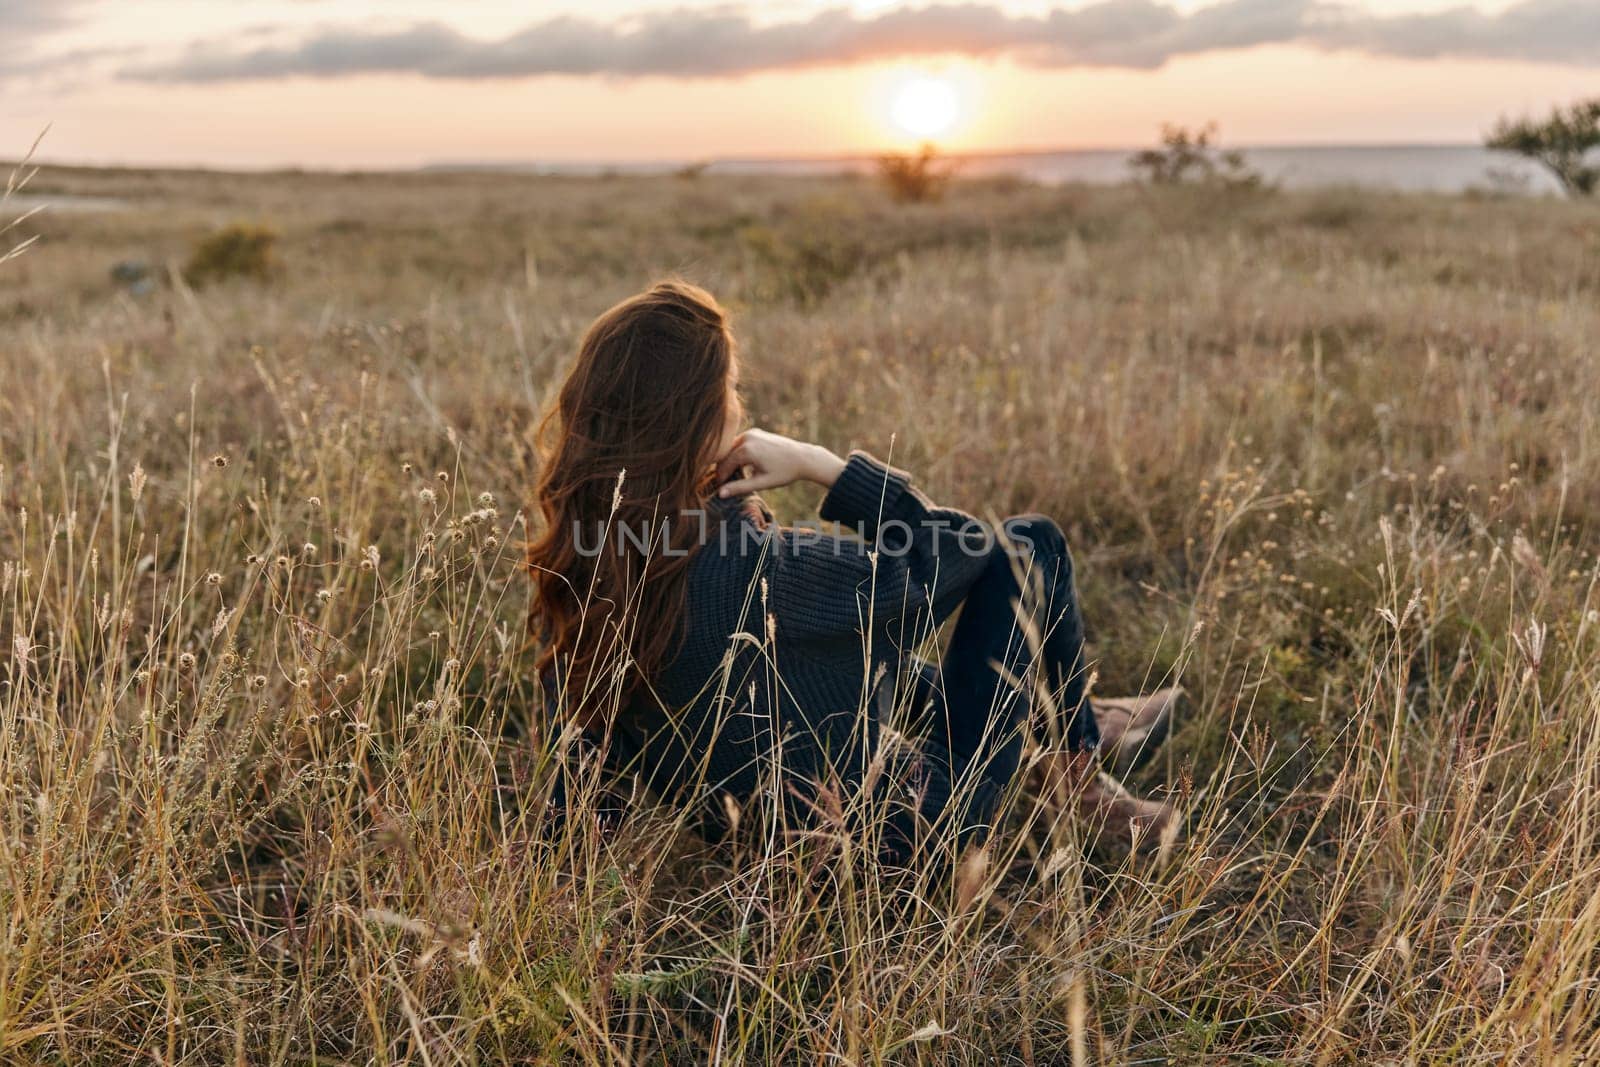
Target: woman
<point x="727" y="659"/>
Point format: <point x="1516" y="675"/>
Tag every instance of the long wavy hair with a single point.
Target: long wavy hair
<point x="628" y="448"/>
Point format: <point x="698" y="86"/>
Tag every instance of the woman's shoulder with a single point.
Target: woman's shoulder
<point x="731" y="531"/>
<point x="747" y="508"/>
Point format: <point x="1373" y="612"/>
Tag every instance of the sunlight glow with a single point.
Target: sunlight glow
<point x="925" y="106"/>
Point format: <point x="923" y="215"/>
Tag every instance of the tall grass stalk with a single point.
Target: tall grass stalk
<point x="15" y="182"/>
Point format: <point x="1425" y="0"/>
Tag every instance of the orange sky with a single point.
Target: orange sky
<point x="1265" y="94"/>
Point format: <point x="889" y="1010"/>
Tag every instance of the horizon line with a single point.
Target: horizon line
<point x="531" y="162"/>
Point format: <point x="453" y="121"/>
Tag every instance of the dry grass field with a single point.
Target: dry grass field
<point x="271" y="789"/>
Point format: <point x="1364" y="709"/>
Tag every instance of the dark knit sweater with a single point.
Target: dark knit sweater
<point x="786" y="635"/>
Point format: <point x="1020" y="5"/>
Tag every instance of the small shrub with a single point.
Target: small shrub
<point x="1186" y="156"/>
<point x="915" y="178"/>
<point x="240" y="250"/>
<point x="1333" y="209"/>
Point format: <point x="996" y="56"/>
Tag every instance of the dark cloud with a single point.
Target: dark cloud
<point x="726" y="43"/>
<point x="1553" y="31"/>
<point x="1139" y="33"/>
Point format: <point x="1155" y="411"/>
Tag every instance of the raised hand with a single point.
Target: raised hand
<point x="767" y="461"/>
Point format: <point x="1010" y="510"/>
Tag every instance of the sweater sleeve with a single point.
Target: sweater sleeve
<point x="908" y="570"/>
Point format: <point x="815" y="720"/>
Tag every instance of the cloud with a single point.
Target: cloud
<point x="32" y="16"/>
<point x="1552" y="31"/>
<point x="22" y="21"/>
<point x="26" y="52"/>
<point x="1140" y="34"/>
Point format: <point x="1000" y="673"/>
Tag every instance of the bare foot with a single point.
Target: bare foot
<point x="1108" y="807"/>
<point x="1131" y="728"/>
<point x="1105" y="805"/>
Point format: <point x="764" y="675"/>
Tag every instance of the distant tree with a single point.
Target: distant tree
<point x="914" y="178"/>
<point x="1562" y="143"/>
<point x="1192" y="156"/>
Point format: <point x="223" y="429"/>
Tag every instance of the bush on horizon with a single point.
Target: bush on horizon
<point x="915" y="177"/>
<point x="1186" y="156"/>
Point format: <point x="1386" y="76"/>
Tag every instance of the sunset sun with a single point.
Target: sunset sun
<point x="925" y="106"/>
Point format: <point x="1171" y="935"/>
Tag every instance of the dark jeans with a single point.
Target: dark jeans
<point x="1019" y="630"/>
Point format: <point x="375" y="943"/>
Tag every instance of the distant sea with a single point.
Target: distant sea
<point x="1422" y="168"/>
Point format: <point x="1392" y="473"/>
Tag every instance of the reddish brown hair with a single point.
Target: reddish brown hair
<point x="630" y="445"/>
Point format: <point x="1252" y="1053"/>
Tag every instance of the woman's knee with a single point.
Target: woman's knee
<point x="1038" y="535"/>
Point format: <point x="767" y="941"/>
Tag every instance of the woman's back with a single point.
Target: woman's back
<point x="788" y="631"/>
